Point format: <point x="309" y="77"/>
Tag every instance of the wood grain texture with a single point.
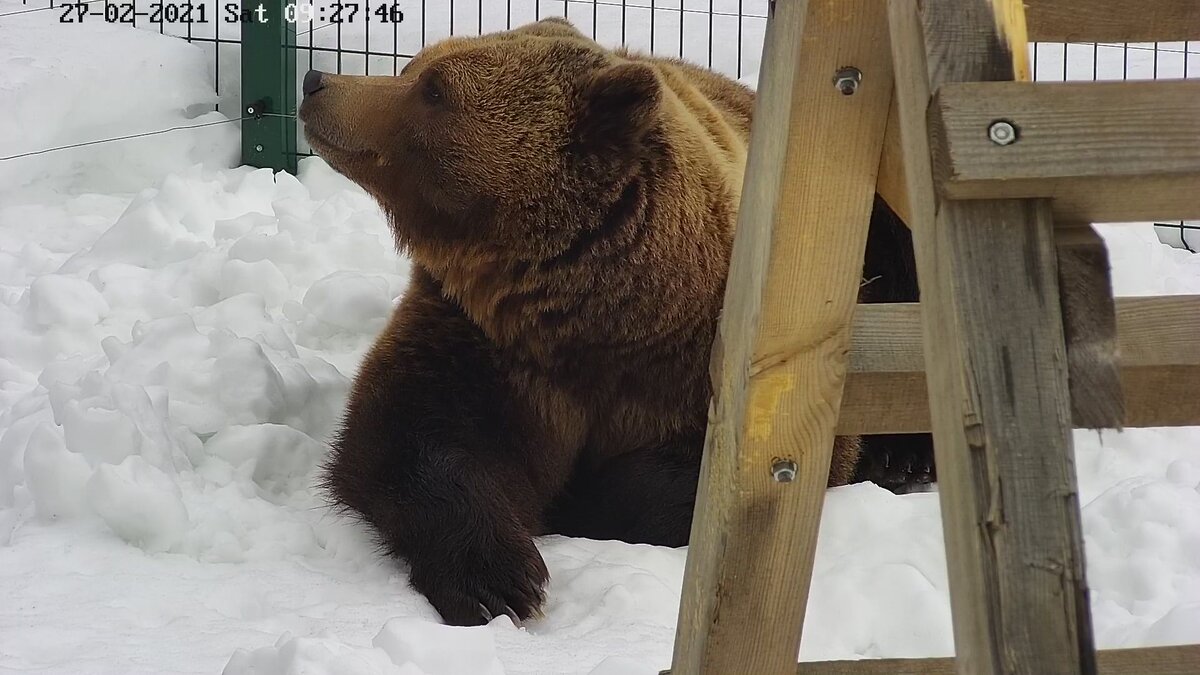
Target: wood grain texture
<point x="1077" y="140"/>
<point x="892" y="185"/>
<point x="1170" y="660"/>
<point x="886" y="392"/>
<point x="783" y="342"/>
<point x="996" y="370"/>
<point x="1090" y="328"/>
<point x="1113" y="20"/>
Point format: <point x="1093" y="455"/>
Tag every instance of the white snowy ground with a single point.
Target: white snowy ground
<point x="176" y="340"/>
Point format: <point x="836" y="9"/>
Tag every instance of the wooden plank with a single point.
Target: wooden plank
<point x="1090" y="328"/>
<point x="892" y="185"/>
<point x="1160" y="366"/>
<point x="996" y="369"/>
<point x="1173" y="660"/>
<point x="1113" y="20"/>
<point x="1103" y="151"/>
<point x="781" y="351"/>
<point x="1168" y="660"/>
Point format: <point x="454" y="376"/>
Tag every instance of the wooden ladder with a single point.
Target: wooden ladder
<point x="926" y="103"/>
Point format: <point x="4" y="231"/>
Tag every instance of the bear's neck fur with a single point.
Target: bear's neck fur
<point x="604" y="289"/>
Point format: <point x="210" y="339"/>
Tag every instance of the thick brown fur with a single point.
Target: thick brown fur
<point x="570" y="211"/>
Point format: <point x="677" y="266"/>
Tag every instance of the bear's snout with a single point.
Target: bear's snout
<point x="313" y="82"/>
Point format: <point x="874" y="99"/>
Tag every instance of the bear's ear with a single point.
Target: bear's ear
<point x="554" y="26"/>
<point x="620" y="103"/>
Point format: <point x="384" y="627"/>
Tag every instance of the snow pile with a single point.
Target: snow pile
<point x="402" y="647"/>
<point x="176" y="356"/>
<point x="63" y="84"/>
<point x="173" y="361"/>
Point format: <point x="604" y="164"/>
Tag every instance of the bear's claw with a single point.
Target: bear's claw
<point x="472" y="589"/>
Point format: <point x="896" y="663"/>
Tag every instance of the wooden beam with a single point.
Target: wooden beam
<point x="780" y="356"/>
<point x="996" y="366"/>
<point x="1090" y="327"/>
<point x="1174" y="660"/>
<point x="1160" y="366"/>
<point x="892" y="185"/>
<point x="1103" y="151"/>
<point x="1169" y="660"/>
<point x="1113" y="20"/>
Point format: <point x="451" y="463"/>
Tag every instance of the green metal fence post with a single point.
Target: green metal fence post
<point x="269" y="85"/>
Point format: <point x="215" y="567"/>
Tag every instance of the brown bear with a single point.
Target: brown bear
<point x="569" y="211"/>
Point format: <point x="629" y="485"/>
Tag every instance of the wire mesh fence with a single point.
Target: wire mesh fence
<point x="378" y="37"/>
<point x="724" y="35"/>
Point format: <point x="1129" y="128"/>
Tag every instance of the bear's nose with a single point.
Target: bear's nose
<point x="312" y="82"/>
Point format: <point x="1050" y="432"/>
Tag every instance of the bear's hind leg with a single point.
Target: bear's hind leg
<point x="640" y="497"/>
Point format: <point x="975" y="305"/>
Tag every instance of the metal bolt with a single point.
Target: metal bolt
<point x="847" y="79"/>
<point x="250" y="110"/>
<point x="1002" y="133"/>
<point x="784" y="470"/>
<point x="258" y="148"/>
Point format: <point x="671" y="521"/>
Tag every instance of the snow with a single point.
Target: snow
<point x="177" y="339"/>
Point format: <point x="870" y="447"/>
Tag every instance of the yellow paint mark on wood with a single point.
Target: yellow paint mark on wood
<point x="769" y="388"/>
<point x="1010" y="20"/>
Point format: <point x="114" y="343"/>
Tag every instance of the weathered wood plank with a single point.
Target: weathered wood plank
<point x="892" y="185"/>
<point x="1174" y="660"/>
<point x="783" y="342"/>
<point x="1169" y="660"/>
<point x="996" y="367"/>
<point x="1160" y="366"/>
<point x="1103" y="151"/>
<point x="1113" y="20"/>
<point x="1090" y="328"/>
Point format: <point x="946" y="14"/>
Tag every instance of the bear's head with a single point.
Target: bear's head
<point x="513" y="140"/>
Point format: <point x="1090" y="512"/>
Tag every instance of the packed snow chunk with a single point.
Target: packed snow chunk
<point x="314" y="656"/>
<point x="99" y="433"/>
<point x="247" y="384"/>
<point x="213" y="380"/>
<point x="438" y="649"/>
<point x="140" y="503"/>
<point x="57" y="300"/>
<point x="55" y="476"/>
<point x="261" y="277"/>
<point x="145" y="235"/>
<point x="323" y="181"/>
<point x="353" y="302"/>
<point x="1180" y="626"/>
<point x="231" y="229"/>
<point x="14" y="441"/>
<point x="620" y="665"/>
<point x="283" y="457"/>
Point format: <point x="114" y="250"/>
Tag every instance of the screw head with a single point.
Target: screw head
<point x="258" y="148"/>
<point x="784" y="470"/>
<point x="847" y="80"/>
<point x="1002" y="133"/>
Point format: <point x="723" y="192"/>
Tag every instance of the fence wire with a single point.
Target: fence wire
<point x="724" y="35"/>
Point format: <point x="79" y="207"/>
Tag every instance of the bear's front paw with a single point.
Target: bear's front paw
<point x="473" y="584"/>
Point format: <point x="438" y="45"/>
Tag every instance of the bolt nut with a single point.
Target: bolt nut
<point x="1002" y="133"/>
<point x="784" y="470"/>
<point x="258" y="148"/>
<point x="847" y="80"/>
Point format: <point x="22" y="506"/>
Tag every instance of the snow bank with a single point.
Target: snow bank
<point x="173" y="361"/>
<point x="64" y="84"/>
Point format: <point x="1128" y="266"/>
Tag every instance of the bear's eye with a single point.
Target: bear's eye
<point x="433" y="90"/>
